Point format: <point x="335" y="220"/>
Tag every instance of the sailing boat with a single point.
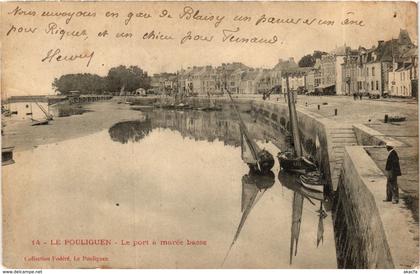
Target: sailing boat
<point x="289" y="161"/>
<point x="254" y="185"/>
<point x="48" y="117"/>
<point x="256" y="158"/>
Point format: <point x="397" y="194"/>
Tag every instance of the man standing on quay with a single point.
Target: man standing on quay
<point x="393" y="171"/>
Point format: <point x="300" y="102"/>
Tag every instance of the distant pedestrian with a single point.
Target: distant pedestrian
<point x="393" y="171"/>
<point x="361" y="95"/>
<point x="354" y="96"/>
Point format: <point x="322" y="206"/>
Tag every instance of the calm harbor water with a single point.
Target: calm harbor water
<point x="166" y="176"/>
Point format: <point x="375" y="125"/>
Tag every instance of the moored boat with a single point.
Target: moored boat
<point x="312" y="180"/>
<point x="183" y="106"/>
<point x="7" y="156"/>
<point x="293" y="183"/>
<point x="257" y="159"/>
<point x="145" y="107"/>
<point x="40" y="123"/>
<point x="295" y="164"/>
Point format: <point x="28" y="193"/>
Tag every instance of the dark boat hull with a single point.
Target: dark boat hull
<point x="141" y="108"/>
<point x="40" y="123"/>
<point x="296" y="165"/>
<point x="7" y="156"/>
<point x="266" y="161"/>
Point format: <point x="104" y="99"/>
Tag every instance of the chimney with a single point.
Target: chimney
<point x="380" y="43"/>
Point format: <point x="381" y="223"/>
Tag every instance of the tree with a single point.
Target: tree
<point x="85" y="83"/>
<point x="317" y="54"/>
<point x="130" y="78"/>
<point x="307" y="61"/>
<point x="310" y="60"/>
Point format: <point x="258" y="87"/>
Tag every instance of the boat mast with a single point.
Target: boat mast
<point x="293" y="119"/>
<point x="245" y="130"/>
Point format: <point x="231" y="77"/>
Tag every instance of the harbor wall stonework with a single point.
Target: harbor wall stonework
<point x="361" y="241"/>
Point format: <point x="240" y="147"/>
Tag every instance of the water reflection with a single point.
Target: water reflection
<point x="291" y="182"/>
<point x="300" y="193"/>
<point x="66" y="110"/>
<point x="254" y="185"/>
<point x="198" y="125"/>
<point x="132" y="131"/>
<point x="223" y="126"/>
<point x="297" y="207"/>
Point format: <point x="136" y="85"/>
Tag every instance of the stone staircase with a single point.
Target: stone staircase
<point x="340" y="137"/>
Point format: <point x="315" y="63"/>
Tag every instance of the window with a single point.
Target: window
<point x="377" y="85"/>
<point x="372" y="86"/>
<point x="373" y="71"/>
<point x="367" y="71"/>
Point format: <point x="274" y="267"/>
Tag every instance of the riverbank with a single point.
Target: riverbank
<point x="21" y="135"/>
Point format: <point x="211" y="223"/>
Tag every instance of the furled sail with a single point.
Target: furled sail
<point x="248" y="153"/>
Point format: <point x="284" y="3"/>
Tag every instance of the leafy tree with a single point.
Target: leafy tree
<point x="317" y="54"/>
<point x="130" y="78"/>
<point x="310" y="60"/>
<point x="307" y="61"/>
<point x="85" y="83"/>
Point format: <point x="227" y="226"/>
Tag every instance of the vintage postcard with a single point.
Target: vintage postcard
<point x="209" y="135"/>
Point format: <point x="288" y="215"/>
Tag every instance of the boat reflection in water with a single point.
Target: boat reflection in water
<point x="254" y="185"/>
<point x="300" y="193"/>
<point x="132" y="131"/>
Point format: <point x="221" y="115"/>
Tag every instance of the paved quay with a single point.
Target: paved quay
<point x="400" y="221"/>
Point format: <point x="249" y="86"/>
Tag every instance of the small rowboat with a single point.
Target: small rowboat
<point x="312" y="180"/>
<point x="142" y="108"/>
<point x="293" y="183"/>
<point x="183" y="106"/>
<point x="215" y="108"/>
<point x="40" y="123"/>
<point x="7" y="156"/>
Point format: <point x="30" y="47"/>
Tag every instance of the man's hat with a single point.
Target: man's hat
<point x="390" y="145"/>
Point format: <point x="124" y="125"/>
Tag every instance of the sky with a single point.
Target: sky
<point x="24" y="72"/>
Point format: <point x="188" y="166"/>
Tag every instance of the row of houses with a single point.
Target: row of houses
<point x="390" y="67"/>
<point x="236" y="77"/>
